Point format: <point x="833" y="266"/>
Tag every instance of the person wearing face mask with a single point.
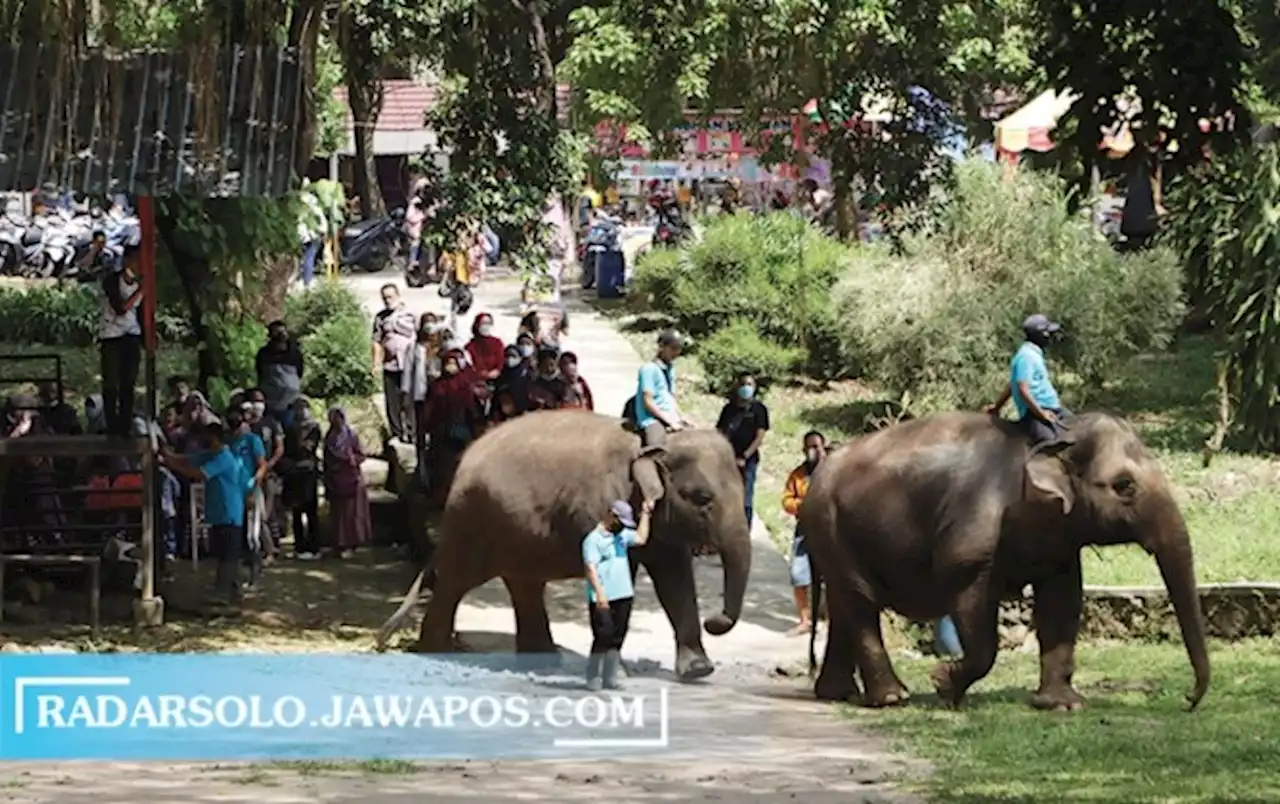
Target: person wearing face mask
<point x="1036" y="401"/>
<point x="453" y="420"/>
<point x="610" y="592"/>
<point x="279" y="368"/>
<point x="251" y="453"/>
<point x="269" y="429"/>
<point x="744" y="420"/>
<point x="577" y="392"/>
<point x="302" y="478"/>
<point x="422" y="367"/>
<point x="548" y="390"/>
<point x="527" y="346"/>
<point x="394" y="328"/>
<point x="515" y="379"/>
<point x="120" y="343"/>
<point x="815" y="449"/>
<point x="484" y="349"/>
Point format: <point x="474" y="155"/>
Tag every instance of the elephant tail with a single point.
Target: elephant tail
<point x="401" y="616"/>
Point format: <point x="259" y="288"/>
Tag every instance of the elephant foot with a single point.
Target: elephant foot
<point x="695" y="668"/>
<point x="944" y="683"/>
<point x="834" y="688"/>
<point x="887" y="698"/>
<point x="1057" y="699"/>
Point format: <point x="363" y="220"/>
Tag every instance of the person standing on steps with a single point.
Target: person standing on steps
<point x="120" y="343"/>
<point x="655" y="409"/>
<point x="394" y="328"/>
<point x="744" y="420"/>
<point x="609" y="587"/>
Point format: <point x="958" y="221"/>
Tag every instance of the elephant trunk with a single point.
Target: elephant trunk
<point x="1172" y="550"/>
<point x="735" y="557"/>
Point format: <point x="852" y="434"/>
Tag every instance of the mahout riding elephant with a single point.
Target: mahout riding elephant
<point x="950" y="513"/>
<point x="527" y="492"/>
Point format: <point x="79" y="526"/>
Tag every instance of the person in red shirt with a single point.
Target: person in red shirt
<point x="577" y="392"/>
<point x="486" y="351"/>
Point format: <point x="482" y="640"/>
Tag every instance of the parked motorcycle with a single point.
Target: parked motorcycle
<point x="603" y="236"/>
<point x="11" y="231"/>
<point x="671" y="228"/>
<point x="370" y="245"/>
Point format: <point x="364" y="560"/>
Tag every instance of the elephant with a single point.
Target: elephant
<point x="947" y="514"/>
<point x="526" y="494"/>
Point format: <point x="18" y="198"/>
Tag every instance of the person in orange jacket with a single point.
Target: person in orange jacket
<point x="815" y="448"/>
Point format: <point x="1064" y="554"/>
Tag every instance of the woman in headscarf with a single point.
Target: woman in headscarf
<point x="485" y="349"/>
<point x="344" y="485"/>
<point x="453" y="418"/>
<point x="514" y="380"/>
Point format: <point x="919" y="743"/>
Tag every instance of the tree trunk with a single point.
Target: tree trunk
<point x="276" y="276"/>
<point x="365" y="106"/>
<point x="542" y="50"/>
<point x="193" y="271"/>
<point x="304" y="34"/>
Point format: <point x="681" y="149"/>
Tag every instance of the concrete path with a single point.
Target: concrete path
<point x="746" y="734"/>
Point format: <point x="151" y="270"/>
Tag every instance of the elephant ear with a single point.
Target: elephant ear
<point x="649" y="473"/>
<point x="1048" y="476"/>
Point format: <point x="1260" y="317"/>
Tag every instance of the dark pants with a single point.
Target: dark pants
<point x="654" y="434"/>
<point x="749" y="487"/>
<point x="1041" y="431"/>
<point x="227" y="544"/>
<point x="306" y="537"/>
<point x="120" y="360"/>
<point x="610" y="631"/>
<point x="395" y="402"/>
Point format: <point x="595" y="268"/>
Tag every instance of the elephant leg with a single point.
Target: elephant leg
<point x="671" y="571"/>
<point x="454" y="579"/>
<point x="836" y="680"/>
<point x="1058" y="606"/>
<point x="975" y="615"/>
<point x="882" y="685"/>
<point x="533" y="627"/>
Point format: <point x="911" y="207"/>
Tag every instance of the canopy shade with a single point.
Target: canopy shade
<point x="1028" y="128"/>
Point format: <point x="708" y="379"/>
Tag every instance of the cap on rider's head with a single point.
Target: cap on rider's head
<point x="1039" y="325"/>
<point x="670" y="337"/>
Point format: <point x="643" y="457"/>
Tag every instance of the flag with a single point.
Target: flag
<point x="811" y="111"/>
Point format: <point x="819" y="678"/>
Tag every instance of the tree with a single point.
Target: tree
<point x="635" y="62"/>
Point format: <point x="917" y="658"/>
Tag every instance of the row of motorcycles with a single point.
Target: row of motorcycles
<point x="605" y="235"/>
<point x="50" y="245"/>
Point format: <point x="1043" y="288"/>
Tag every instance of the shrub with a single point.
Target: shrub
<point x="69" y="316"/>
<point x="772" y="272"/>
<point x="337" y="355"/>
<point x="941" y="320"/>
<point x="739" y="348"/>
<point x="306" y="312"/>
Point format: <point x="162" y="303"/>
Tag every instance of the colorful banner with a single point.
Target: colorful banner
<point x="277" y="707"/>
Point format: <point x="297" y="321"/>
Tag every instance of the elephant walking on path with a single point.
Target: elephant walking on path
<point x="950" y="513"/>
<point x="526" y="494"/>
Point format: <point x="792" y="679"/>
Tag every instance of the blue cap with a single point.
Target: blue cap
<point x="622" y="510"/>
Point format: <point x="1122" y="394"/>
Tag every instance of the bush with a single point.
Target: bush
<point x="941" y="320"/>
<point x="774" y="273"/>
<point x="337" y="355"/>
<point x="69" y="316"/>
<point x="306" y="312"/>
<point x="738" y="349"/>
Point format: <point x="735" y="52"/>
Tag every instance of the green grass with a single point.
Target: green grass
<point x="1133" y="743"/>
<point x="1230" y="508"/>
<point x="81" y="377"/>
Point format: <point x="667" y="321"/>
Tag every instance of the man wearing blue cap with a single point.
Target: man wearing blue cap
<point x="609" y="589"/>
<point x="1034" y="397"/>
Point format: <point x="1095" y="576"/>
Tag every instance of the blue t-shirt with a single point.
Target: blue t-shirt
<point x="224" y="488"/>
<point x="249" y="449"/>
<point x="658" y="379"/>
<point x="607" y="552"/>
<point x="1028" y="366"/>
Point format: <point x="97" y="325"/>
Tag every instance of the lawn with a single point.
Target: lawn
<point x="81" y="376"/>
<point x="1133" y="743"/>
<point x="1231" y="507"/>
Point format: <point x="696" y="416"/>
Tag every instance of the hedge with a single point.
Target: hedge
<point x="940" y="320"/>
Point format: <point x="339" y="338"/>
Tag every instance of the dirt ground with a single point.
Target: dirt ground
<point x="749" y="733"/>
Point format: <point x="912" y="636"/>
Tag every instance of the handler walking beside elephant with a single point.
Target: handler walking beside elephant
<point x="610" y="591"/>
<point x="1036" y="401"/>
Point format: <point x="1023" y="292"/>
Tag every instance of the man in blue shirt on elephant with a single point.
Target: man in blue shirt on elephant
<point x="1034" y="398"/>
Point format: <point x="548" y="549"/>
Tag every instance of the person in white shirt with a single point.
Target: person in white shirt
<point x="120" y="343"/>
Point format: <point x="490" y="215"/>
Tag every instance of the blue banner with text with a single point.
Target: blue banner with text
<point x="311" y="706"/>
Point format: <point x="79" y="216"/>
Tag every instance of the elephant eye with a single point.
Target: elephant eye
<point x="1124" y="486"/>
<point x="699" y="497"/>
